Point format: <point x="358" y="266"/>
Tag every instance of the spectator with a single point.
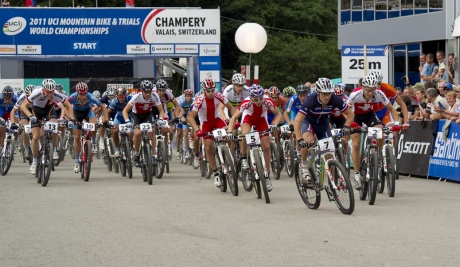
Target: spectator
<point x="457" y="90"/>
<point x="449" y="74"/>
<point x="5" y="3"/>
<point x="440" y="58"/>
<point x="431" y="70"/>
<point x="423" y="66"/>
<point x="434" y="99"/>
<point x="444" y="87"/>
<point x="410" y="109"/>
<point x="420" y="93"/>
<point x="450" y="111"/>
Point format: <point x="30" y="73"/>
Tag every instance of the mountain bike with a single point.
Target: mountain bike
<point x="145" y="162"/>
<point x="7" y="154"/>
<point x="86" y="147"/>
<point x="124" y="161"/>
<point x="45" y="159"/>
<point x="109" y="149"/>
<point x="389" y="163"/>
<point x="287" y="150"/>
<point x="321" y="163"/>
<point x="342" y="154"/>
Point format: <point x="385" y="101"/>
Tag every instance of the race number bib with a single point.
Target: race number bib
<point x="88" y="126"/>
<point x="336" y="132"/>
<point x="123" y="128"/>
<point x="145" y="127"/>
<point x="285" y="129"/>
<point x="219" y="133"/>
<point x="374" y="131"/>
<point x="326" y="144"/>
<point x="51" y="127"/>
<point x="252" y="138"/>
<point x="27" y="129"/>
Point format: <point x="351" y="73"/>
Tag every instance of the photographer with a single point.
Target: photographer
<point x="433" y="112"/>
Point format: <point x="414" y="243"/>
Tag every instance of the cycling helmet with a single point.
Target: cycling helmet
<point x="8" y="92"/>
<point x="110" y="91"/>
<point x="274" y="92"/>
<point x="238" y="78"/>
<point x="301" y="89"/>
<point x="97" y="94"/>
<point x="19" y="91"/>
<point x="59" y="87"/>
<point x="188" y="92"/>
<point x="49" y="85"/>
<point x="29" y="88"/>
<point x="161" y="85"/>
<point x="208" y="83"/>
<point x="377" y="76"/>
<point x="121" y="91"/>
<point x="370" y="81"/>
<point x="289" y="91"/>
<point x="324" y="85"/>
<point x="256" y="91"/>
<point x="146" y="85"/>
<point x="339" y="90"/>
<point x="81" y="88"/>
<point x="313" y="89"/>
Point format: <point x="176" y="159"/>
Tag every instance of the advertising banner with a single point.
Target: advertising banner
<point x="114" y="31"/>
<point x="413" y="149"/>
<point x="445" y="161"/>
<point x="17" y="84"/>
<point x="354" y="63"/>
<point x="65" y="82"/>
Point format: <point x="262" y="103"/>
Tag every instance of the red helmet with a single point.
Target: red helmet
<point x="188" y="92"/>
<point x="81" y="88"/>
<point x="208" y="84"/>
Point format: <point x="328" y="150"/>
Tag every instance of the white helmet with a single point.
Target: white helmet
<point x="324" y="85"/>
<point x="49" y="84"/>
<point x="238" y="78"/>
<point x="370" y="81"/>
<point x="377" y="75"/>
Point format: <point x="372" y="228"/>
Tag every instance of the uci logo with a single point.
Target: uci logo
<point x="14" y="26"/>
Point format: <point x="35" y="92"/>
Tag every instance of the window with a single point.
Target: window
<point x="357" y="12"/>
<point x="399" y="64"/>
<point x="420" y="6"/>
<point x="435" y="5"/>
<point x="345" y="13"/>
<point x="413" y="62"/>
<point x="393" y="8"/>
<point x="381" y="8"/>
<point x="368" y="10"/>
<point x="407" y="7"/>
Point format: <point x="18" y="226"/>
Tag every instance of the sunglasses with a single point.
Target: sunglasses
<point x="257" y="99"/>
<point x="210" y="90"/>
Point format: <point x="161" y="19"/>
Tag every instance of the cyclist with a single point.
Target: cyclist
<point x="293" y="107"/>
<point x="254" y="110"/>
<point x="313" y="119"/>
<point x="206" y="107"/>
<point x="82" y="102"/>
<point x="117" y="105"/>
<point x="337" y="118"/>
<point x="23" y="118"/>
<point x="362" y="100"/>
<point x="7" y="101"/>
<point x="275" y="95"/>
<point x="288" y="92"/>
<point x="182" y="127"/>
<point x="141" y="106"/>
<point x="97" y="94"/>
<point x="196" y="139"/>
<point x="105" y="102"/>
<point x="42" y="100"/>
<point x="60" y="89"/>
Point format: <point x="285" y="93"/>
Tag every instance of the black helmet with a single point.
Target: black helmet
<point x="8" y="92"/>
<point x="161" y="85"/>
<point x="146" y="85"/>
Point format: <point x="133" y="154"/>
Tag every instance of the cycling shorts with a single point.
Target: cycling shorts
<point x="385" y="116"/>
<point x="370" y="119"/>
<point x="321" y="130"/>
<point x="209" y="126"/>
<point x="258" y="122"/>
<point x="45" y="113"/>
<point x="337" y="122"/>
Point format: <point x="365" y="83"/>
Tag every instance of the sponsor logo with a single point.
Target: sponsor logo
<point x="449" y="149"/>
<point x="86" y="46"/>
<point x="186" y="49"/>
<point x="162" y="49"/>
<point x="419" y="148"/>
<point x="209" y="50"/>
<point x="346" y="51"/>
<point x="7" y="49"/>
<point x="14" y="26"/>
<point x="29" y="49"/>
<point x="137" y="49"/>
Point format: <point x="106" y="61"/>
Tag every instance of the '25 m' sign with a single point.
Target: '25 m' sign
<point x="354" y="64"/>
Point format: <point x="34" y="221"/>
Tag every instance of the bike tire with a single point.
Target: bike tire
<point x="87" y="169"/>
<point x="37" y="169"/>
<point x="148" y="163"/>
<point x="260" y="172"/>
<point x="107" y="157"/>
<point x="364" y="183"/>
<point x="381" y="177"/>
<point x="232" y="175"/>
<point x="123" y="159"/>
<point x="57" y="161"/>
<point x="290" y="158"/>
<point x="8" y="157"/>
<point x="275" y="161"/>
<point x="281" y="155"/>
<point x="344" y="189"/>
<point x="373" y="178"/>
<point x="391" y="172"/>
<point x="311" y="195"/>
<point x="98" y="149"/>
<point x="47" y="165"/>
<point x="162" y="155"/>
<point x="129" y="162"/>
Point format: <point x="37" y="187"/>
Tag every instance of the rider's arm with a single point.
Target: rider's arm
<point x="127" y="109"/>
<point x="221" y="111"/>
<point x="191" y="119"/>
<point x="278" y="117"/>
<point x="69" y="108"/>
<point x="298" y="124"/>
<point x="403" y="108"/>
<point x="179" y="111"/>
<point x="350" y="115"/>
<point x="233" y="119"/>
<point x="231" y="109"/>
<point x="286" y="117"/>
<point x="393" y="111"/>
<point x="63" y="109"/>
<point x="12" y="115"/>
<point x="24" y="108"/>
<point x="106" y="112"/>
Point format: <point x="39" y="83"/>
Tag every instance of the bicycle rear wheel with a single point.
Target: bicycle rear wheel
<point x="373" y="176"/>
<point x="311" y="195"/>
<point x="47" y="163"/>
<point x="148" y="163"/>
<point x="129" y="162"/>
<point x="57" y="161"/>
<point x="391" y="174"/>
<point x="290" y="158"/>
<point x="343" y="195"/>
<point x="260" y="172"/>
<point x="275" y="160"/>
<point x="87" y="164"/>
<point x="364" y="183"/>
<point x="232" y="176"/>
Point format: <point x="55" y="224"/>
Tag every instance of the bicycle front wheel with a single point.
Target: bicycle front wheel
<point x="391" y="172"/>
<point x="373" y="176"/>
<point x="87" y="165"/>
<point x="124" y="158"/>
<point x="8" y="157"/>
<point x="148" y="163"/>
<point x="311" y="195"/>
<point x="290" y="158"/>
<point x="162" y="155"/>
<point x="260" y="172"/>
<point x="232" y="176"/>
<point x="47" y="163"/>
<point x="343" y="193"/>
<point x="364" y="183"/>
<point x="129" y="163"/>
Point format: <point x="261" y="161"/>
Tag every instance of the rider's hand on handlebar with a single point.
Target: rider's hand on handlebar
<point x="199" y="133"/>
<point x="302" y="143"/>
<point x="32" y="119"/>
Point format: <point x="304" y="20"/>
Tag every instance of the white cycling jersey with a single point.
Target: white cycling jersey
<point x="208" y="109"/>
<point x="37" y="99"/>
<point x="21" y="99"/>
<point x="143" y="106"/>
<point x="234" y="98"/>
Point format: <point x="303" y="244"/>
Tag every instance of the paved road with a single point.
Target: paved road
<point x="183" y="220"/>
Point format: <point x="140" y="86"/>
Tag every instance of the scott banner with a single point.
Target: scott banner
<point x="445" y="161"/>
<point x="115" y="31"/>
<point x="413" y="149"/>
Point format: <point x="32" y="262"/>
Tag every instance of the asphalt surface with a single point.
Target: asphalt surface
<point x="183" y="220"/>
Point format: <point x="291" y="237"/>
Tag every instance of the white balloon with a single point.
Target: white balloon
<point x="251" y="38"/>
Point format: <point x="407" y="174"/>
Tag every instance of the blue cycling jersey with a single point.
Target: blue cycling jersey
<point x="5" y="108"/>
<point x="293" y="106"/>
<point x="314" y="111"/>
<point x="186" y="106"/>
<point x="91" y="100"/>
<point x="118" y="107"/>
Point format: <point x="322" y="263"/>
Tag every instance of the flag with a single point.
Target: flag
<point x="129" y="3"/>
<point x="29" y="3"/>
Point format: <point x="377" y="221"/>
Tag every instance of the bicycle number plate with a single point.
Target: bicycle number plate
<point x="89" y="126"/>
<point x="27" y="129"/>
<point x="51" y="127"/>
<point x="326" y="145"/>
<point x="145" y="127"/>
<point x="253" y="138"/>
<point x="336" y="132"/>
<point x="219" y="133"/>
<point x="123" y="128"/>
<point x="285" y="129"/>
<point x="374" y="131"/>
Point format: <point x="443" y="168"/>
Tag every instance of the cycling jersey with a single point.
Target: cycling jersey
<point x="281" y="106"/>
<point x="5" y="108"/>
<point x="208" y="108"/>
<point x="117" y="107"/>
<point x="336" y="113"/>
<point x="389" y="92"/>
<point x="293" y="106"/>
<point x="314" y="111"/>
<point x="21" y="99"/>
<point x="77" y="105"/>
<point x="186" y="106"/>
<point x="142" y="105"/>
<point x="37" y="99"/>
<point x="361" y="106"/>
<point x="233" y="97"/>
<point x="257" y="115"/>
